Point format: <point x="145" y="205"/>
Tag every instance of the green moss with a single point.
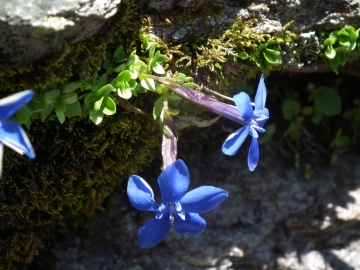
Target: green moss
<point x="77" y="165"/>
<point x="236" y="53"/>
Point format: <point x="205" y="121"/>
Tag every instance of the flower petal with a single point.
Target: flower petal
<point x="140" y="194"/>
<point x="203" y="199"/>
<point x="242" y="101"/>
<point x="174" y="181"/>
<point x="154" y="231"/>
<point x="193" y="223"/>
<point x="253" y="156"/>
<point x="13" y="136"/>
<point x="11" y="104"/>
<point x="260" y="97"/>
<point x="235" y="140"/>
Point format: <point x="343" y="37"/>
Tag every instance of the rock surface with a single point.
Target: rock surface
<point x="272" y="16"/>
<point x="273" y="219"/>
<point x="30" y="29"/>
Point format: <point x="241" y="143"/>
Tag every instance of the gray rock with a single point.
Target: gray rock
<point x="30" y="29"/>
<point x="273" y="219"/>
<point x="272" y="16"/>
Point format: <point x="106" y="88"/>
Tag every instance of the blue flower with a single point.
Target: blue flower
<point x="11" y="133"/>
<point x="255" y="119"/>
<point x="177" y="208"/>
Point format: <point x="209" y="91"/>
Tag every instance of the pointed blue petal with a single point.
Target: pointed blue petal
<point x="141" y="195"/>
<point x="253" y="156"/>
<point x="252" y="132"/>
<point x="193" y="223"/>
<point x="260" y="97"/>
<point x="11" y="104"/>
<point x="203" y="199"/>
<point x="174" y="181"/>
<point x="235" y="140"/>
<point x="154" y="231"/>
<point x="13" y="136"/>
<point x="242" y="101"/>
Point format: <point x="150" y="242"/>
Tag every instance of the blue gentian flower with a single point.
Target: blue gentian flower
<point x="11" y="133"/>
<point x="177" y="208"/>
<point x="255" y="119"/>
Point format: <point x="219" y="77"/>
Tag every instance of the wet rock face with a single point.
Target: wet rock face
<point x="30" y="29"/>
<point x="273" y="219"/>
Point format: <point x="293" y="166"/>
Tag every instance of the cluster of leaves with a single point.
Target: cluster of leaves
<point x="340" y="46"/>
<point x="322" y="103"/>
<point x="124" y="76"/>
<point x="61" y="98"/>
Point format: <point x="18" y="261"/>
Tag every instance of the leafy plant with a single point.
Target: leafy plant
<point x="340" y="46"/>
<point x="100" y="101"/>
<point x="268" y="55"/>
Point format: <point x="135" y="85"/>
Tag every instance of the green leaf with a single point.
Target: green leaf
<point x="140" y="66"/>
<point x="102" y="80"/>
<point x="181" y="77"/>
<point x="343" y="141"/>
<point x="329" y="41"/>
<point x="330" y="52"/>
<point x="173" y="99"/>
<point x="148" y="84"/>
<point x="69" y="98"/>
<point x="73" y="109"/>
<point x="151" y="52"/>
<point x="38" y="103"/>
<point x="160" y="89"/>
<point x="308" y="111"/>
<point x="316" y="119"/>
<point x="45" y="113"/>
<point x="342" y="58"/>
<point x="290" y="108"/>
<point x="96" y="117"/>
<point x="120" y="68"/>
<point x="334" y="35"/>
<point x="344" y="41"/>
<point x="89" y="98"/>
<point x="22" y="115"/>
<point x="132" y="58"/>
<point x="104" y="91"/>
<point x="267" y="137"/>
<point x="158" y="106"/>
<point x="60" y="114"/>
<point x="124" y="93"/>
<point x="343" y="32"/>
<point x="133" y="72"/>
<point x="85" y="85"/>
<point x="98" y="103"/>
<point x="334" y="64"/>
<point x="107" y="64"/>
<point x="51" y="96"/>
<point x="243" y="55"/>
<point x="173" y="111"/>
<point x="70" y="87"/>
<point x="218" y="66"/>
<point x="161" y="58"/>
<point x="190" y="85"/>
<point x="158" y="68"/>
<point x="119" y="54"/>
<point x="124" y="76"/>
<point x="327" y="101"/>
<point x="271" y="56"/>
<point x="108" y="106"/>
